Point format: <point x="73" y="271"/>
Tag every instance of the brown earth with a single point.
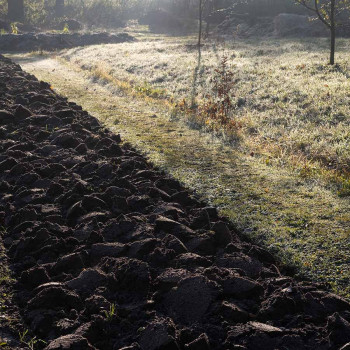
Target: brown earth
<point x="28" y="42"/>
<point x="110" y="253"/>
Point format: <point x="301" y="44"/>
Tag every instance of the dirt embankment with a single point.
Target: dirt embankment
<point x="110" y="253"/>
<point x="50" y="42"/>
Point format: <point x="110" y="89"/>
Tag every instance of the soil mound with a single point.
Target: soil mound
<point x="50" y="42"/>
<point x="70" y="23"/>
<point x="282" y="25"/>
<point x="161" y="21"/>
<point x="287" y="24"/>
<point x="110" y="253"/>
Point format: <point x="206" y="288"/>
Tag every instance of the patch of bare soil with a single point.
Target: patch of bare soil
<point x="57" y="41"/>
<point x="110" y="253"/>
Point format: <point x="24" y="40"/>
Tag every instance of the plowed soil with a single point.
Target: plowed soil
<point x="110" y="253"/>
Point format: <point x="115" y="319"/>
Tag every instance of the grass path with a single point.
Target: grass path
<point x="304" y="223"/>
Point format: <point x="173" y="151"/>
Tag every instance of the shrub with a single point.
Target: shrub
<point x="216" y="109"/>
<point x="66" y="29"/>
<point x="14" y="28"/>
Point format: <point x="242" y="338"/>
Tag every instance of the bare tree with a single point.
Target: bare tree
<point x="202" y="4"/>
<point x="200" y="17"/>
<point x="15" y="10"/>
<point x="328" y="11"/>
<point x="59" y="8"/>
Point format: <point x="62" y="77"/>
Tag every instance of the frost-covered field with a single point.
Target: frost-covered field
<point x="293" y="107"/>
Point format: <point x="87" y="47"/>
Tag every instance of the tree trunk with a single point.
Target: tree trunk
<point x="200" y="22"/>
<point x="59" y="8"/>
<point x="15" y="10"/>
<point x="332" y="60"/>
<point x="333" y="34"/>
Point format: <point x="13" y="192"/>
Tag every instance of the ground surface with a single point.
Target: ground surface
<point x="108" y="252"/>
<point x="293" y="211"/>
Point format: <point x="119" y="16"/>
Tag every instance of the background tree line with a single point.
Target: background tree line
<point x="37" y="12"/>
<point x="105" y="13"/>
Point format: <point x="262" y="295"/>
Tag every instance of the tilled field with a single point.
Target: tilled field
<point x="45" y="41"/>
<point x="110" y="253"/>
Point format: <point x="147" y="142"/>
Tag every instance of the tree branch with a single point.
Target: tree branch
<point x="320" y="16"/>
<point x="314" y="9"/>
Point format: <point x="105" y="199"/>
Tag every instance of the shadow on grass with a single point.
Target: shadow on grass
<point x="195" y="77"/>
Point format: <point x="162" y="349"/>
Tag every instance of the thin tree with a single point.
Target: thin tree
<point x="15" y="11"/>
<point x="200" y="17"/>
<point x="202" y="5"/>
<point x="328" y="11"/>
<point x="59" y="8"/>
